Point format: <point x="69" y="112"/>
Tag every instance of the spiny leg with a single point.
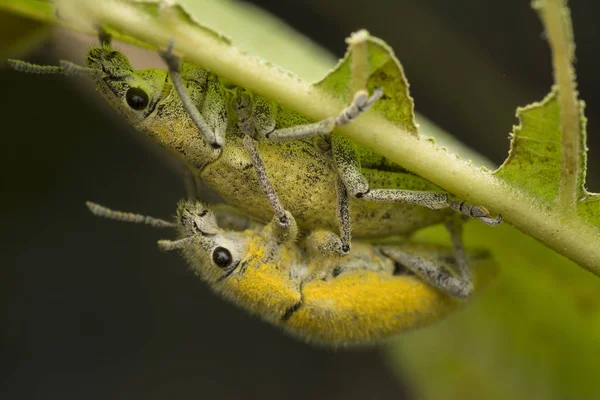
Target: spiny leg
<point x="249" y="121"/>
<point x="190" y="184"/>
<point x="346" y="161"/>
<point x="104" y="37"/>
<point x="216" y="138"/>
<point x="280" y="214"/>
<point x="431" y="272"/>
<point x="361" y="103"/>
<point x="343" y="215"/>
<point x="321" y="241"/>
<point x="256" y="116"/>
<point x="455" y="229"/>
<point x="473" y="211"/>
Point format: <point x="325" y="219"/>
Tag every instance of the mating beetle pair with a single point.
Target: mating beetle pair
<point x="376" y="291"/>
<point x="234" y="141"/>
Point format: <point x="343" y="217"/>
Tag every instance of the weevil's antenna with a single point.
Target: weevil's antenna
<point x="105" y="212"/>
<point x="29" y="68"/>
<point x="169" y="245"/>
<point x="71" y="69"/>
<point x="66" y="68"/>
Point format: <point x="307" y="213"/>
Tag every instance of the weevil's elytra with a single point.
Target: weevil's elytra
<point x="322" y="298"/>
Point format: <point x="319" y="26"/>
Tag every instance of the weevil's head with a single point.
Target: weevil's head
<point x="135" y="94"/>
<point x="213" y="253"/>
<point x="149" y="102"/>
<point x="249" y="268"/>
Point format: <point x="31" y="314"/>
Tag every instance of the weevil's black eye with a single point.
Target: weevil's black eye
<point x="222" y="257"/>
<point x="136" y="98"/>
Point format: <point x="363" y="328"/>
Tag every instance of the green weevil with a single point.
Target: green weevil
<point x="235" y="142"/>
<point x="377" y="291"/>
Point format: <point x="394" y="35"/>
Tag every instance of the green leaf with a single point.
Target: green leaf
<point x="589" y="209"/>
<point x="384" y="71"/>
<point x="534" y="162"/>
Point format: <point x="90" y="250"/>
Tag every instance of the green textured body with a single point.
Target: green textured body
<point x="301" y="171"/>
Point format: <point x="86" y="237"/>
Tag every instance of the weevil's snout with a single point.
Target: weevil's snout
<point x="108" y="60"/>
<point x="195" y="217"/>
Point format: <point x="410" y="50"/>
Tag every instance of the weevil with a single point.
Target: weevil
<point x="377" y="291"/>
<point x="235" y="142"/>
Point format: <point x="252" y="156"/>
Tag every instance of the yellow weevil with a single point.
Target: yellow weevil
<point x="376" y="291"/>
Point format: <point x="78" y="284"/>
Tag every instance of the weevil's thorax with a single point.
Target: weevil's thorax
<point x="150" y="103"/>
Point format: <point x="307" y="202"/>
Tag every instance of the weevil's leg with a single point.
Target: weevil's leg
<point x="190" y="183"/>
<point x="280" y="214"/>
<point x="105" y="212"/>
<point x="242" y="105"/>
<point x="262" y="120"/>
<point x="343" y="215"/>
<point x="361" y="103"/>
<point x="455" y="229"/>
<point x="104" y="37"/>
<point x="321" y="241"/>
<point x="346" y="161"/>
<point x="432" y="272"/>
<point x="215" y="137"/>
<point x="473" y="211"/>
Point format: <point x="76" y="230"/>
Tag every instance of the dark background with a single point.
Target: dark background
<point x="91" y="309"/>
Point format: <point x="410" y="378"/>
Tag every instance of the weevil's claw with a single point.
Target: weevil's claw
<point x="483" y="215"/>
<point x="473" y="211"/>
<point x="360" y="103"/>
<point x="169" y="58"/>
<point x="491" y="221"/>
<point x="345" y="249"/>
<point x="377" y="94"/>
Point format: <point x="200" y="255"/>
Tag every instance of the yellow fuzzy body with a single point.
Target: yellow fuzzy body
<point x="298" y="291"/>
